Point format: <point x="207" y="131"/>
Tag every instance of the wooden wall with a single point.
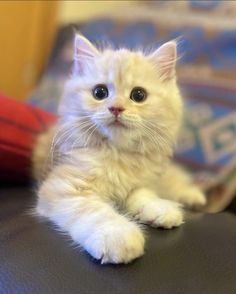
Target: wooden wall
<point x="27" y="29"/>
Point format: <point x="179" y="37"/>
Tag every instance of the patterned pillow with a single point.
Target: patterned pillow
<point x="206" y="71"/>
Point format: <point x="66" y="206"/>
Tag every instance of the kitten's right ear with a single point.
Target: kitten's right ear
<point x="84" y="52"/>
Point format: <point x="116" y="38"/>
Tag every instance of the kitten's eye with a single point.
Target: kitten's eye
<point x="100" y="92"/>
<point x="138" y="94"/>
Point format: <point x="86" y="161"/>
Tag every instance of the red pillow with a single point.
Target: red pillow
<point x="20" y="124"/>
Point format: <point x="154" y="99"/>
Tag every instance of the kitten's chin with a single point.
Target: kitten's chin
<point x="120" y="136"/>
<point x="114" y="131"/>
<point x="117" y="125"/>
<point x="114" y="128"/>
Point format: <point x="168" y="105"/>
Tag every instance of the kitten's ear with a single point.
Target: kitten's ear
<point x="84" y="52"/>
<point x="165" y="59"/>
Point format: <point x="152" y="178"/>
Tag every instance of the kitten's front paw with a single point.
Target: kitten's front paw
<point x="192" y="198"/>
<point x="161" y="213"/>
<point x="116" y="242"/>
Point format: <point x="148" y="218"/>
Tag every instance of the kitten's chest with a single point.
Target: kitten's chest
<point x="116" y="175"/>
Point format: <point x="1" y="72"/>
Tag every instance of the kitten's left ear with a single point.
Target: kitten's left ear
<point x="165" y="59"/>
<point x="84" y="52"/>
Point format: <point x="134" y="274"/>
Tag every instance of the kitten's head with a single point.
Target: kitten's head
<point x="130" y="99"/>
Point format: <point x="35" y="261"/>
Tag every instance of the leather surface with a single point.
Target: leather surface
<point x="199" y="257"/>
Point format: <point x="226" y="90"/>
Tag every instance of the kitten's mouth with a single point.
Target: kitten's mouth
<point x="117" y="123"/>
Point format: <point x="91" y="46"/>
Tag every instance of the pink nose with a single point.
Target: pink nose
<point x="116" y="110"/>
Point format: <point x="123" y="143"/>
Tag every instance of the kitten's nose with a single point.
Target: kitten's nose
<point x="116" y="110"/>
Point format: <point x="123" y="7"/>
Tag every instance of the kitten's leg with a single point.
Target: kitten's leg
<point x="147" y="208"/>
<point x="176" y="185"/>
<point x="91" y="222"/>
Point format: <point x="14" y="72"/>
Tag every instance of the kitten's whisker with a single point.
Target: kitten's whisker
<point x="160" y="130"/>
<point x="57" y="140"/>
<point x="70" y="131"/>
<point x="84" y="134"/>
<point x="65" y="136"/>
<point x="95" y="128"/>
<point x="152" y="136"/>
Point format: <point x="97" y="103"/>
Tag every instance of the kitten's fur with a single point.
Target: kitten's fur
<point x="106" y="176"/>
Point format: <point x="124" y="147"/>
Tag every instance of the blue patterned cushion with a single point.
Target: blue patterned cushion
<point x="207" y="75"/>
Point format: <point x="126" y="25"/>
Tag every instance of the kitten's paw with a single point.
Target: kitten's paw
<point x="161" y="213"/>
<point x="116" y="242"/>
<point x="193" y="198"/>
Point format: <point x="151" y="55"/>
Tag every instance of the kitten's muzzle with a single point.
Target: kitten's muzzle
<point x="117" y="120"/>
<point x="116" y="111"/>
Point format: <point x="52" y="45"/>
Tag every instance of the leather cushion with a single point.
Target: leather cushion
<point x="199" y="257"/>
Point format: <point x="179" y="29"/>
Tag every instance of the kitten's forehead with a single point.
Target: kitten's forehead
<point x="125" y="67"/>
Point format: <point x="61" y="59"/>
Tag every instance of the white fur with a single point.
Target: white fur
<point x="103" y="172"/>
<point x="146" y="207"/>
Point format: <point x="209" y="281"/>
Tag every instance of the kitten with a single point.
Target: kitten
<point x="119" y="120"/>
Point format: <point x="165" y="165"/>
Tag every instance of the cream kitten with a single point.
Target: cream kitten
<point x="119" y="119"/>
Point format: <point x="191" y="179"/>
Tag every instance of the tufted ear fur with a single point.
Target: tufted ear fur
<point x="165" y="59"/>
<point x="84" y="53"/>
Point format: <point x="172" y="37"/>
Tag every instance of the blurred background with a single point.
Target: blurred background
<point x="28" y="30"/>
<point x="37" y="49"/>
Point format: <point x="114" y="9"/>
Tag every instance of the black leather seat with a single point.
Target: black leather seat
<point x="199" y="257"/>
